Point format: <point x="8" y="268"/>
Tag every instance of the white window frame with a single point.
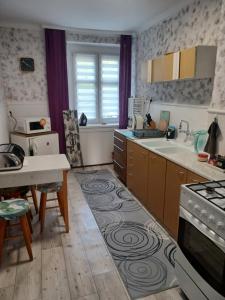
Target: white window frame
<point x="98" y="50"/>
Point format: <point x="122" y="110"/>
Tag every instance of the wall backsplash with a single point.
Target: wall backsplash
<point x="202" y="18"/>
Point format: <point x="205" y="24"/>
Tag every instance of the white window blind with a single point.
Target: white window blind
<point x="109" y="87"/>
<point x="86" y="84"/>
<point x="97" y="86"/>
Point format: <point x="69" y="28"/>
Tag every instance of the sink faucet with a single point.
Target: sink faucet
<point x="187" y="131"/>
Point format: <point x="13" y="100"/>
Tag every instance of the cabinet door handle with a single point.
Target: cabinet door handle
<point x="195" y="180"/>
<point x="120" y="149"/>
<point x="153" y="157"/>
<point x="129" y="174"/>
<point x="115" y="137"/>
<point x="121" y="167"/>
<point x="181" y="173"/>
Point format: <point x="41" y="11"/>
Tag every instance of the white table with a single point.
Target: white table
<point x="39" y="170"/>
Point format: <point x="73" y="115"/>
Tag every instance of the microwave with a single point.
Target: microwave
<point x="33" y="125"/>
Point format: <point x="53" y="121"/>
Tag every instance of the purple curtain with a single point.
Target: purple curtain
<point x="124" y="79"/>
<point x="58" y="100"/>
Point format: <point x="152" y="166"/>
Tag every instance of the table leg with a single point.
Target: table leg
<point x="64" y="198"/>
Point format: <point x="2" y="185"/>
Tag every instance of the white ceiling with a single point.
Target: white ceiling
<point x="116" y="15"/>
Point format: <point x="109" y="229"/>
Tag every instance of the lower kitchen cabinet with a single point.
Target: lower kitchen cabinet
<point x="156" y="185"/>
<point x="120" y="156"/>
<point x="137" y="171"/>
<point x="156" y="182"/>
<point x="175" y="176"/>
<point x="194" y="178"/>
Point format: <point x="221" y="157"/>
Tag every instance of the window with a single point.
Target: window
<point x="96" y="83"/>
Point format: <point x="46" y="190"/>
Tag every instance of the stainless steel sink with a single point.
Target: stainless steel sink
<point x="172" y="150"/>
<point x="157" y="143"/>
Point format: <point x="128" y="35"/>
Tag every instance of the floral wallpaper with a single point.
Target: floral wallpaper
<point x="202" y="18"/>
<point x="20" y="86"/>
<point x="218" y="98"/>
<point x="31" y="87"/>
<point x="92" y="38"/>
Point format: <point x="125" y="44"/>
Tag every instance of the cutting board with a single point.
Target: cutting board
<point x="164" y="120"/>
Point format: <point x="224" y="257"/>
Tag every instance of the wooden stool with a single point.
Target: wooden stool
<point x="45" y="189"/>
<point x="20" y="192"/>
<point x="15" y="209"/>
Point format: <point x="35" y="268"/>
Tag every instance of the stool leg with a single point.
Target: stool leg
<point x="34" y="196"/>
<point x="42" y="210"/>
<point x="30" y="212"/>
<point x="29" y="222"/>
<point x="2" y="236"/>
<point x="27" y="235"/>
<point x="60" y="202"/>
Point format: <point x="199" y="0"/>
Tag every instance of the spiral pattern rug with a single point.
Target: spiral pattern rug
<point x="142" y="251"/>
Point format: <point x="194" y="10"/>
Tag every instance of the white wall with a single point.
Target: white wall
<point x="96" y="144"/>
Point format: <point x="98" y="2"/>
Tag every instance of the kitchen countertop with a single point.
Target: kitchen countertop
<point x="186" y="158"/>
<point x="127" y="133"/>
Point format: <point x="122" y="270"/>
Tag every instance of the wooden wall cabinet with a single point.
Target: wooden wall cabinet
<point x="120" y="156"/>
<point x="156" y="185"/>
<point x="165" y="68"/>
<point x="157" y="69"/>
<point x="137" y="171"/>
<point x="197" y="62"/>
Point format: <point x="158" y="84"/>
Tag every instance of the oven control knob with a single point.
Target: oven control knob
<point x="211" y="219"/>
<point x="190" y="203"/>
<point x="220" y="225"/>
<point x="203" y="213"/>
<point x="197" y="208"/>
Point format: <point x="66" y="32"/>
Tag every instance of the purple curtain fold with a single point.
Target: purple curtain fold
<point x="124" y="79"/>
<point x="58" y="100"/>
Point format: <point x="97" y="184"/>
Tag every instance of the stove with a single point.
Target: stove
<point x="200" y="258"/>
<point x="206" y="201"/>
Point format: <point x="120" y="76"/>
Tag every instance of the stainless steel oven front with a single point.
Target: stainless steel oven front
<point x="200" y="259"/>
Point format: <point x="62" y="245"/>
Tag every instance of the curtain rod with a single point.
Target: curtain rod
<point x="93" y="31"/>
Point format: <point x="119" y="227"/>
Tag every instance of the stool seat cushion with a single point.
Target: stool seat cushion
<point x="49" y="187"/>
<point x="14" y="192"/>
<point x="13" y="208"/>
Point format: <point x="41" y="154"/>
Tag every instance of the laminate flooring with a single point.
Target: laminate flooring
<point x="66" y="266"/>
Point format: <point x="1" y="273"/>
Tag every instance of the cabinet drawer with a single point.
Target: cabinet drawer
<point x="120" y="141"/>
<point x="120" y="155"/>
<point x="120" y="170"/>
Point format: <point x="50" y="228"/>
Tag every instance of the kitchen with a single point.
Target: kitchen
<point x="150" y="166"/>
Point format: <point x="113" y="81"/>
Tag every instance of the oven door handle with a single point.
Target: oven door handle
<point x="216" y="239"/>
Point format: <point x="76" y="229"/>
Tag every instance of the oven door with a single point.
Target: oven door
<point x="204" y="250"/>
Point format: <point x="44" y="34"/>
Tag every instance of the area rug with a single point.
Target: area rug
<point x="141" y="250"/>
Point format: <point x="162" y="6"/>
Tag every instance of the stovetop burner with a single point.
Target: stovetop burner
<point x="213" y="191"/>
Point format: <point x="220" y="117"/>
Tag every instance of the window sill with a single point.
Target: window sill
<point x="100" y="126"/>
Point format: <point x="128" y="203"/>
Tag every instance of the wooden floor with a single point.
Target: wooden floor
<point x="75" y="266"/>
